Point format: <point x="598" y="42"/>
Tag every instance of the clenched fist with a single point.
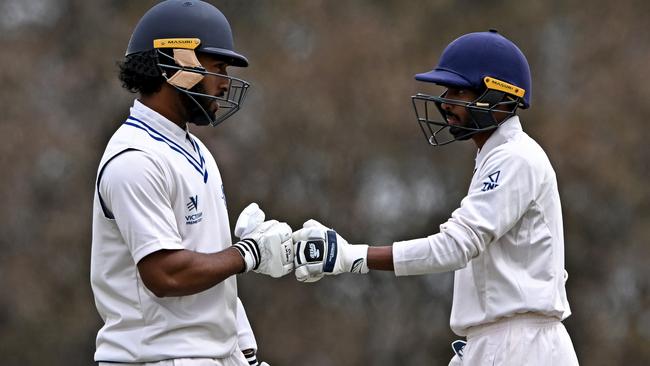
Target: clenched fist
<point x="266" y="246"/>
<point x="321" y="251"/>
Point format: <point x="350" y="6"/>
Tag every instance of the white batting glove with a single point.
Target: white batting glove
<point x="266" y="246"/>
<point x="321" y="251"/>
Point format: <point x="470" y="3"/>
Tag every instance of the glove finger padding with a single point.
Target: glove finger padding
<point x="311" y="232"/>
<point x="313" y="224"/>
<point x="276" y="249"/>
<point x="308" y="273"/>
<point x="251" y="217"/>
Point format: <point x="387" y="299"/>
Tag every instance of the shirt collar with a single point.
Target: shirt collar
<point x="158" y="121"/>
<point x="501" y="135"/>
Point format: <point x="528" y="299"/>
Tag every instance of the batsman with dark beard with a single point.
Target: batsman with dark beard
<point x="163" y="262"/>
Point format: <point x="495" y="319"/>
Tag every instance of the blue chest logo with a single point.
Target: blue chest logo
<point x="193" y="205"/>
<point x="492" y="182"/>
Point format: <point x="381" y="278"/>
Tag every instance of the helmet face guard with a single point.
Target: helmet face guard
<point x="481" y="111"/>
<point x="187" y="73"/>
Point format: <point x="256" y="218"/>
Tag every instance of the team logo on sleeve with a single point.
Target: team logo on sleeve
<point x="493" y="181"/>
<point x="193" y="205"/>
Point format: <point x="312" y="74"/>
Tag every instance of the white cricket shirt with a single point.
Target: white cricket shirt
<point x="505" y="241"/>
<point x="159" y="188"/>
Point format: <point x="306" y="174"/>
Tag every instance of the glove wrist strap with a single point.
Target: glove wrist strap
<point x="252" y="359"/>
<point x="250" y="251"/>
<point x="357" y="255"/>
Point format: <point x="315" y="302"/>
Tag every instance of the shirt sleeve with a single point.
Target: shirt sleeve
<point x="245" y="336"/>
<point x="135" y="189"/>
<point x="500" y="193"/>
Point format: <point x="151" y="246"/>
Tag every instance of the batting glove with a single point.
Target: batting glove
<point x="266" y="246"/>
<point x="321" y="251"/>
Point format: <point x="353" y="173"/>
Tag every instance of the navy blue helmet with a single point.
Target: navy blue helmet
<point x="485" y="62"/>
<point x="176" y="30"/>
<point x="186" y="19"/>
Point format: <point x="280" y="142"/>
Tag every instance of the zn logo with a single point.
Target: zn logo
<point x="492" y="183"/>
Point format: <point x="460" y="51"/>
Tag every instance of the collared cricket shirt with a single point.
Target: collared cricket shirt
<point x="158" y="188"/>
<point x="505" y="242"/>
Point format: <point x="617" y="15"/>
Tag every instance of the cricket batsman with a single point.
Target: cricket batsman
<point x="505" y="242"/>
<point x="163" y="262"/>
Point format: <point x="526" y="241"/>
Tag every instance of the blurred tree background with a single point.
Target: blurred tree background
<point x="328" y="132"/>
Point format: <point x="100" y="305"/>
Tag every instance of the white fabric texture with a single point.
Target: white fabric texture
<point x="245" y="336"/>
<point x="167" y="194"/>
<point x="236" y="359"/>
<point x="505" y="241"/>
<point x="522" y="340"/>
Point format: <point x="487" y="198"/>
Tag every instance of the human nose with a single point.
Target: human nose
<point x="446" y="106"/>
<point x="443" y="105"/>
<point x="223" y="85"/>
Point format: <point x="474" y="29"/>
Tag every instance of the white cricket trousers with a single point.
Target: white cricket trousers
<point x="526" y="339"/>
<point x="237" y="359"/>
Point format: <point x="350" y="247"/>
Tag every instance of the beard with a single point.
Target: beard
<point x="459" y="132"/>
<point x="197" y="107"/>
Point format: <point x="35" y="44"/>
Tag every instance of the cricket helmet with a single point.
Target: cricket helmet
<point x="176" y="30"/>
<point x="485" y="62"/>
<point x="186" y="19"/>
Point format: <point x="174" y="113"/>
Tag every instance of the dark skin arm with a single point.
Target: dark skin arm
<point x="381" y="258"/>
<point x="184" y="272"/>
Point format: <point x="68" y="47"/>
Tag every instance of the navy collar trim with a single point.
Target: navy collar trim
<point x="197" y="164"/>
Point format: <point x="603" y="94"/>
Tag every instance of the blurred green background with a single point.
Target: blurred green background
<point x="328" y="132"/>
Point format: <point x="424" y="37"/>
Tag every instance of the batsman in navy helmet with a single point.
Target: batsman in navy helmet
<point x="163" y="261"/>
<point x="504" y="242"/>
<point x="487" y="78"/>
<point x="165" y="48"/>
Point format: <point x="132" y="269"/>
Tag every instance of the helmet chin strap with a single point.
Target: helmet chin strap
<point x="197" y="114"/>
<point x="482" y="108"/>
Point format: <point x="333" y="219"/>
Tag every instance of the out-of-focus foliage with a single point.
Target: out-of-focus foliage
<point x="328" y="132"/>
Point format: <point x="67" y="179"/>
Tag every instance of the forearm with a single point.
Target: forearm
<point x="380" y="258"/>
<point x="182" y="272"/>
